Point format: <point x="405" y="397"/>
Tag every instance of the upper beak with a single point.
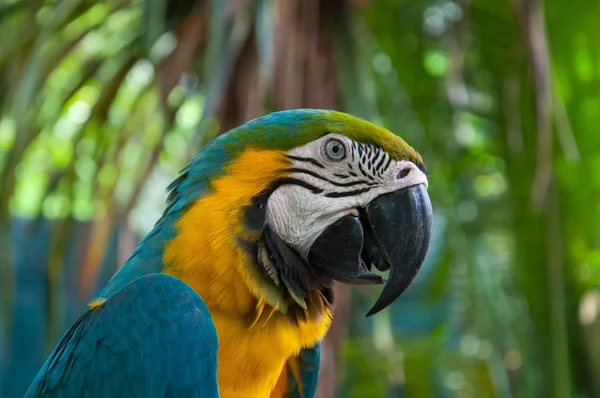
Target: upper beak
<point x="393" y="233"/>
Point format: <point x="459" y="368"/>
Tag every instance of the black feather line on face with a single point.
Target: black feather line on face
<point x="380" y="163"/>
<point x="362" y="171"/>
<point x="337" y="184"/>
<point x="360" y="149"/>
<point x="348" y="193"/>
<point x="254" y="215"/>
<point x="308" y="160"/>
<point x="294" y="181"/>
<point x="343" y="176"/>
<point x="387" y="164"/>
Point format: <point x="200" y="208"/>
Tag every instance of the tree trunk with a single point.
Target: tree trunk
<point x="305" y="76"/>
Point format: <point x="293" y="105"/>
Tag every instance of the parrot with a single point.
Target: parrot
<point x="231" y="293"/>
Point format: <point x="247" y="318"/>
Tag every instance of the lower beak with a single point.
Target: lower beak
<point x="393" y="233"/>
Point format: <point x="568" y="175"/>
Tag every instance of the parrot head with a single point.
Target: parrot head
<point x="323" y="197"/>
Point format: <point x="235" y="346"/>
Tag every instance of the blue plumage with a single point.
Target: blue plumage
<point x="154" y="335"/>
<point x="309" y="362"/>
<point x="154" y="338"/>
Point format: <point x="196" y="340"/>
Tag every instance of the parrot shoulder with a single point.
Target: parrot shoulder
<point x="154" y="337"/>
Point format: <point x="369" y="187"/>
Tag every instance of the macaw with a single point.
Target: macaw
<point x="238" y="271"/>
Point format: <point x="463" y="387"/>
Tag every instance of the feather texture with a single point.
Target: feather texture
<point x="150" y="334"/>
<point x="154" y="338"/>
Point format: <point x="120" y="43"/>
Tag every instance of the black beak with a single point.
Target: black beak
<point x="392" y="233"/>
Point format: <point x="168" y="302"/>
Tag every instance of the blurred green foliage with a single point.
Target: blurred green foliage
<point x="102" y="102"/>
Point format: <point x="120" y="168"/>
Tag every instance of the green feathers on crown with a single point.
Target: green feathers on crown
<point x="288" y="129"/>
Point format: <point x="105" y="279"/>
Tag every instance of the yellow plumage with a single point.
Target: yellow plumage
<point x="255" y="339"/>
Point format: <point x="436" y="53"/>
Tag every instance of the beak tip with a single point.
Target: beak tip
<point x="410" y="208"/>
<point x="371" y="313"/>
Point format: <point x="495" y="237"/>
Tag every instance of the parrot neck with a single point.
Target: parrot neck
<point x="209" y="253"/>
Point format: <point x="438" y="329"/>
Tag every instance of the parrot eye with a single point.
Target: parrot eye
<point x="335" y="150"/>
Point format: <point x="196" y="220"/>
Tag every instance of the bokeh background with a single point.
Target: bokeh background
<point x="102" y="102"/>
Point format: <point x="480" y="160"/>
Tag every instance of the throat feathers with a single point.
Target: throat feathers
<point x="251" y="310"/>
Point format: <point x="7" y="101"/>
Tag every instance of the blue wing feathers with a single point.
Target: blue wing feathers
<point x="308" y="361"/>
<point x="153" y="338"/>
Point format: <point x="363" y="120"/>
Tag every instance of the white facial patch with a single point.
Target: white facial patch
<point x="328" y="184"/>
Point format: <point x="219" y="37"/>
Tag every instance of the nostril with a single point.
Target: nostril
<point x="403" y="173"/>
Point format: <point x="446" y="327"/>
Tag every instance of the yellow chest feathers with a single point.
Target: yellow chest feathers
<point x="255" y="339"/>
